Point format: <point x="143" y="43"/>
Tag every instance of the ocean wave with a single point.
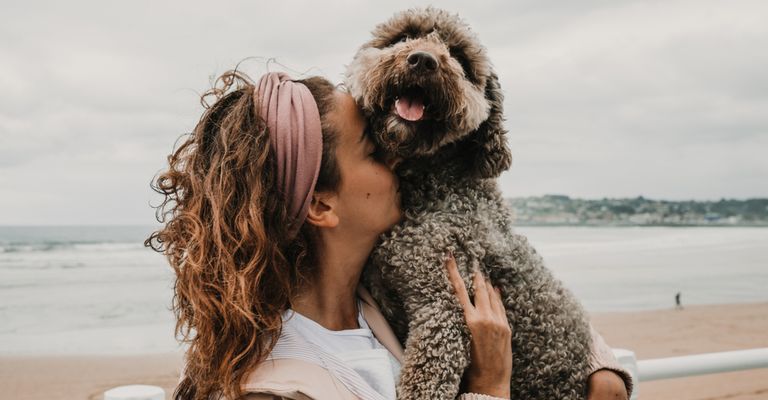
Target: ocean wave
<point x="49" y="246"/>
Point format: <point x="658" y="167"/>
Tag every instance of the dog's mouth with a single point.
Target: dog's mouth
<point x="411" y="104"/>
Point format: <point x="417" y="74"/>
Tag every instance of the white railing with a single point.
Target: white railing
<point x="642" y="371"/>
<point x="699" y="364"/>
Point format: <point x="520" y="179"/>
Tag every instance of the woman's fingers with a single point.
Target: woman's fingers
<point x="499" y="309"/>
<point x="487" y="299"/>
<point x="482" y="301"/>
<point x="458" y="284"/>
<point x="494" y="299"/>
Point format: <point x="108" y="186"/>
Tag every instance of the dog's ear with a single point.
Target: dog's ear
<point x="487" y="152"/>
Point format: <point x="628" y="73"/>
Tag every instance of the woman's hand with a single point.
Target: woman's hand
<point x="490" y="370"/>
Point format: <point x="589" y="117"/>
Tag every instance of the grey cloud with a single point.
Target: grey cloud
<point x="663" y="98"/>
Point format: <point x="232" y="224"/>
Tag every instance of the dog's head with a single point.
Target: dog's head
<point x="425" y="82"/>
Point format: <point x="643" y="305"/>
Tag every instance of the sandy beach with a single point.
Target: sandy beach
<point x="651" y="334"/>
<point x="693" y="330"/>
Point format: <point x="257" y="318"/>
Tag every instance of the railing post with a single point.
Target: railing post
<point x="135" y="392"/>
<point x="628" y="360"/>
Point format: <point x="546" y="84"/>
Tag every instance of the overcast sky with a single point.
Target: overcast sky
<point x="664" y="99"/>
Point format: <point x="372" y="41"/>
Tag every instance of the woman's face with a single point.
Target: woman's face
<point x="368" y="202"/>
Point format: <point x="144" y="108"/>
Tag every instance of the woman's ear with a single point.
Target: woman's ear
<point x="322" y="210"/>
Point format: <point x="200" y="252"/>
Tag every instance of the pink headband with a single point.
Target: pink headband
<point x="296" y="139"/>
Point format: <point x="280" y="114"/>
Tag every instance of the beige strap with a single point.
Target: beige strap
<point x="379" y="325"/>
<point x="296" y="379"/>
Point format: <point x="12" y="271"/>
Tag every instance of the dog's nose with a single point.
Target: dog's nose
<point x="422" y="60"/>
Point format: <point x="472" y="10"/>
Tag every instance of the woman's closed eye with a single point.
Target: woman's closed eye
<point x="377" y="155"/>
<point x="374" y="152"/>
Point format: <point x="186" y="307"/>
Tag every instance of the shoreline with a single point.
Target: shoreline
<point x="650" y="334"/>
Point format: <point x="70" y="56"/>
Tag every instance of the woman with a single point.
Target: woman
<point x="272" y="206"/>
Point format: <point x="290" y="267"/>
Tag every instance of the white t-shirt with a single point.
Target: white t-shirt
<point x="359" y="348"/>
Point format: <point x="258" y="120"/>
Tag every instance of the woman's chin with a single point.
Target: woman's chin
<point x="395" y="222"/>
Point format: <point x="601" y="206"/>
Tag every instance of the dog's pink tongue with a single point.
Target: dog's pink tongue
<point x="410" y="108"/>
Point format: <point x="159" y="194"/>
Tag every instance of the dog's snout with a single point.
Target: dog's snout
<point x="422" y="60"/>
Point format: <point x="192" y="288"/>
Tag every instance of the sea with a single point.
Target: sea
<point x="98" y="290"/>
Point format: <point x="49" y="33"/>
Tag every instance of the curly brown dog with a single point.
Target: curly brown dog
<point x="432" y="98"/>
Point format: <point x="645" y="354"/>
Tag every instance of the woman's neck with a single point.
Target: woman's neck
<point x="331" y="300"/>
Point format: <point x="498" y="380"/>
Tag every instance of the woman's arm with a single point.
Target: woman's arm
<point x="607" y="378"/>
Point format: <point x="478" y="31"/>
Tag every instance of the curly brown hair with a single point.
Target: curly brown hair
<point x="225" y="237"/>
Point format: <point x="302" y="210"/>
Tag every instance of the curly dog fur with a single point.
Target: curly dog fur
<point x="452" y="152"/>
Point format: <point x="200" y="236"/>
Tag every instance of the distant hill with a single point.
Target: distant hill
<point x="563" y="210"/>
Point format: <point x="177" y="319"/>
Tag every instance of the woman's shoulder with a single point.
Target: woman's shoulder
<point x="293" y="379"/>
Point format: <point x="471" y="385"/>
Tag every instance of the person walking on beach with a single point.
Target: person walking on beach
<point x="678" y="304"/>
<point x="272" y="206"/>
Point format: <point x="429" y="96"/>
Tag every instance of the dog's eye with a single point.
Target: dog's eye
<point x="399" y="39"/>
<point x="464" y="62"/>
